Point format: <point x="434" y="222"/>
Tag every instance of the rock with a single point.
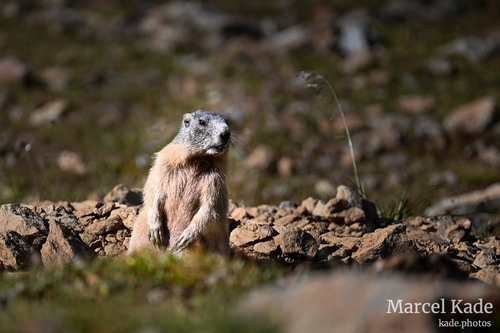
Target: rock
<point x="382" y="243"/>
<point x="287" y="220"/>
<point x="243" y="237"/>
<point x="239" y="214"/>
<point x="489" y="275"/>
<point x="103" y="227"/>
<point x="473" y="48"/>
<point x="61" y="246"/>
<point x="485" y="258"/>
<point x="15" y="253"/>
<point x="269" y="248"/>
<point x="262" y="158"/>
<point x="355" y="200"/>
<point x="71" y="162"/>
<point x="417" y="104"/>
<point x="350" y="195"/>
<point x="468" y="204"/>
<point x="49" y="113"/>
<point x="126" y="214"/>
<point x="12" y="70"/>
<point x="427" y="243"/>
<point x="297" y="243"/>
<point x="319" y="209"/>
<point x="471" y="118"/>
<point x="356" y="62"/>
<point x="488" y="153"/>
<point x="354" y="37"/>
<point x="361" y="301"/>
<point x="429" y="132"/>
<point x="334" y="206"/>
<point x="289" y="39"/>
<point x="114" y="249"/>
<point x="55" y="78"/>
<point x="440" y="66"/>
<point x="24" y="221"/>
<point x="285" y="165"/>
<point x="122" y="194"/>
<point x="309" y="204"/>
<point x="333" y="246"/>
<point x="354" y="215"/>
<point x="324" y="188"/>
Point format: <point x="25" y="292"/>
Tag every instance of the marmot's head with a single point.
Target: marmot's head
<point x="206" y="132"/>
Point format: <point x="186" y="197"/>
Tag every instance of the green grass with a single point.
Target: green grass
<point x="198" y="293"/>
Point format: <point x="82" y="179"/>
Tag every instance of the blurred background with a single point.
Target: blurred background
<point x="90" y="90"/>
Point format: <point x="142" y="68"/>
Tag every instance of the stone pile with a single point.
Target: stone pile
<point x="342" y="231"/>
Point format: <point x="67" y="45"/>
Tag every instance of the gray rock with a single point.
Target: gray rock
<point x="473" y="48"/>
<point x="354" y="36"/>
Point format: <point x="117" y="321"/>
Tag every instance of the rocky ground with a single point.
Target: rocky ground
<point x="345" y="230"/>
<point x="366" y="259"/>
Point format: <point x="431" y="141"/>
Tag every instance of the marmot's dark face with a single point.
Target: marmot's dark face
<point x="207" y="132"/>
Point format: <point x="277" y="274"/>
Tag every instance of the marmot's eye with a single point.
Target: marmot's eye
<point x="186" y="122"/>
<point x="202" y="122"/>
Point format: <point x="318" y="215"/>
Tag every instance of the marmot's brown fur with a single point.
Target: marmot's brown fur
<point x="185" y="195"/>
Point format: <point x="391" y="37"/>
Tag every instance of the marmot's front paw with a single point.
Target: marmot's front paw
<point x="157" y="236"/>
<point x="183" y="242"/>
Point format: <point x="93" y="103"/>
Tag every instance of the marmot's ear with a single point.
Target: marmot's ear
<point x="186" y="118"/>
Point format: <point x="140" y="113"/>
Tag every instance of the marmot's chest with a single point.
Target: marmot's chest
<point x="191" y="181"/>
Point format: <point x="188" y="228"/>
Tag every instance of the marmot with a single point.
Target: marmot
<point x="185" y="194"/>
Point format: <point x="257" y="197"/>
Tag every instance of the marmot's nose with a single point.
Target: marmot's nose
<point x="225" y="135"/>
